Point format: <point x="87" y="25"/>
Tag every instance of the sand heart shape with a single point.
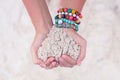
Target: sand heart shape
<point x="58" y="43"/>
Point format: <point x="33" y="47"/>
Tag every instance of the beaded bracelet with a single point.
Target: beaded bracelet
<point x="68" y="18"/>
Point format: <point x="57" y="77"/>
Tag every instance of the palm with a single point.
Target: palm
<point x="39" y="38"/>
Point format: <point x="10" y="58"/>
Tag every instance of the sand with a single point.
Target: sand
<point x="58" y="43"/>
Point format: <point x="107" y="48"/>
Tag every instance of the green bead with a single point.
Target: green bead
<point x="69" y="10"/>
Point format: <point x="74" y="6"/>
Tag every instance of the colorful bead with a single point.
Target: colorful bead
<point x="77" y="17"/>
<point x="74" y="15"/>
<point x="63" y="15"/>
<point x="69" y="10"/>
<point x="56" y="17"/>
<point x="70" y="14"/>
<point x="78" y="21"/>
<point x="60" y="16"/>
<point x="76" y="27"/>
<point x="60" y="21"/>
<point x="73" y="11"/>
<point x="62" y="9"/>
<point x="69" y="21"/>
<point x="80" y="16"/>
<point x="77" y="13"/>
<point x="71" y="17"/>
<point x="59" y="13"/>
<point x="56" y="21"/>
<point x="74" y="18"/>
<point x="66" y="13"/>
<point x="72" y="22"/>
<point x="65" y="10"/>
<point x="67" y="16"/>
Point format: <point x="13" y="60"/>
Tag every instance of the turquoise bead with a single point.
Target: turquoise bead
<point x="69" y="10"/>
<point x="56" y="17"/>
<point x="76" y="27"/>
<point x="69" y="21"/>
<point x="66" y="20"/>
<point x="63" y="19"/>
<point x="72" y="22"/>
<point x="56" y="21"/>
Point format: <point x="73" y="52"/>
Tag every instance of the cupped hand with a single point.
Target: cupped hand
<point x="50" y="62"/>
<point x="66" y="60"/>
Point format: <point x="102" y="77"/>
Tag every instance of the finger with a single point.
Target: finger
<point x="35" y="58"/>
<point x="49" y="61"/>
<point x="80" y="59"/>
<point x="69" y="59"/>
<point x="63" y="63"/>
<point x="41" y="63"/>
<point x="52" y="65"/>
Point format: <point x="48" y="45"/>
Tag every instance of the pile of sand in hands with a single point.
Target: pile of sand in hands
<point x="58" y="43"/>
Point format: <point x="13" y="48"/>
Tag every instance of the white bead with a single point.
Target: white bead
<point x="63" y="13"/>
<point x="74" y="15"/>
<point x="77" y="17"/>
<point x="70" y="14"/>
<point x="60" y="21"/>
<point x="59" y="13"/>
<point x="66" y="13"/>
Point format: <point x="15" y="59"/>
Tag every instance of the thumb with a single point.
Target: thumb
<point x="34" y="50"/>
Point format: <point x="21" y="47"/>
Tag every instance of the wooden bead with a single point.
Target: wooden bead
<point x="77" y="21"/>
<point x="62" y="9"/>
<point x="67" y="16"/>
<point x="77" y="13"/>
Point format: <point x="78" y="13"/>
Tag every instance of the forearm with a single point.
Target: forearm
<point x="39" y="14"/>
<point x="74" y="4"/>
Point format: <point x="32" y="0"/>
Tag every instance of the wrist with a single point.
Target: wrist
<point x="42" y="31"/>
<point x="68" y="18"/>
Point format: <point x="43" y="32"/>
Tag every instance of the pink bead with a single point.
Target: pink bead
<point x="65" y="9"/>
<point x="71" y="17"/>
<point x="74" y="19"/>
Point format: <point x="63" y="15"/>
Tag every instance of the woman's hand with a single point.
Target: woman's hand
<point x="39" y="38"/>
<point x="67" y="61"/>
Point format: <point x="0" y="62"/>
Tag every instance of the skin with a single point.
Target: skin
<point x="38" y="10"/>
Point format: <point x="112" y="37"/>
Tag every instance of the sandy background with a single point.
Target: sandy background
<point x="100" y="27"/>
